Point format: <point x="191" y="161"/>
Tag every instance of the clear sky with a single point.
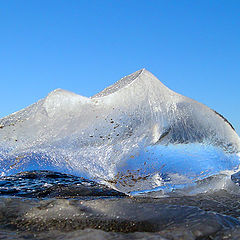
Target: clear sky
<point x="83" y="46"/>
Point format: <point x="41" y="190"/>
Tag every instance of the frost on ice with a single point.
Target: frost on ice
<point x="135" y="135"/>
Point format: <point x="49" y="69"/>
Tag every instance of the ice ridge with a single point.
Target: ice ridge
<point x="96" y="137"/>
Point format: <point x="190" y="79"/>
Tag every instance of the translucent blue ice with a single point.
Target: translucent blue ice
<point x="134" y="135"/>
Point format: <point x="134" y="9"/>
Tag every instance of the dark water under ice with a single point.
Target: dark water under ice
<point x="50" y="205"/>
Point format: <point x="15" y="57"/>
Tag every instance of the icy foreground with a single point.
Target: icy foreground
<point x="135" y="135"/>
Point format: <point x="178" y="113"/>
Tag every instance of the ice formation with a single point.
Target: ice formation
<point x="135" y="135"/>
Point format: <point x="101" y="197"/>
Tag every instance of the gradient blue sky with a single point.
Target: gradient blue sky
<point x="83" y="46"/>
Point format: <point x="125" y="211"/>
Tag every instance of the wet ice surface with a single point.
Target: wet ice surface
<point x="135" y="161"/>
<point x="50" y="205"/>
<point x="136" y="135"/>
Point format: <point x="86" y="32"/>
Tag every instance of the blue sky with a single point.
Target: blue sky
<point x="83" y="46"/>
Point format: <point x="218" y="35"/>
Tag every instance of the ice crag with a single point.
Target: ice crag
<point x="135" y="135"/>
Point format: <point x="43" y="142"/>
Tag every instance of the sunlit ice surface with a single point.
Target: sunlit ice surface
<point x="137" y="136"/>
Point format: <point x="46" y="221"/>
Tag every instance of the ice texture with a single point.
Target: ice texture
<point x="134" y="135"/>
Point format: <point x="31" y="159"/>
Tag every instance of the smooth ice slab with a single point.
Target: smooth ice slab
<point x="135" y="135"/>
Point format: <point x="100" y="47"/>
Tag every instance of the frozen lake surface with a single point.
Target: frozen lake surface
<point x="50" y="205"/>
